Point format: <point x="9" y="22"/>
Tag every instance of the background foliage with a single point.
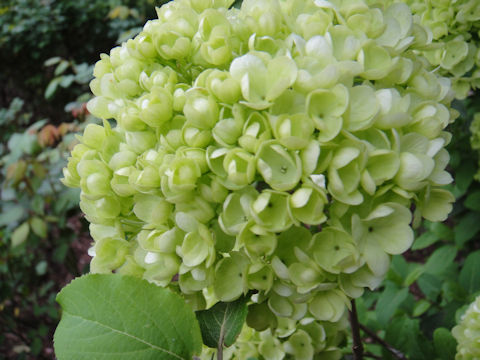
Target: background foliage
<point x="44" y="240"/>
<point x="44" y="85"/>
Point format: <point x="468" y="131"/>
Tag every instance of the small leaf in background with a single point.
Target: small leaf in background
<point x="41" y="268"/>
<point x="473" y="201"/>
<point x="470" y="274"/>
<point x="39" y="227"/>
<point x="445" y="344"/>
<point x="420" y="307"/>
<point x="441" y="230"/>
<point x="467" y="228"/>
<point x="52" y="61"/>
<point x="221" y="324"/>
<point x="453" y="291"/>
<point x="11" y="215"/>
<point x="426" y="239"/>
<point x="20" y="234"/>
<point x="414" y="275"/>
<point x="464" y="177"/>
<point x="51" y="88"/>
<point x="115" y="316"/>
<point x="61" y="67"/>
<point x="440" y="260"/>
<point x="430" y="285"/>
<point x="60" y="253"/>
<point x="391" y="298"/>
<point x="404" y="334"/>
<point x="67" y="80"/>
<point x="38" y="204"/>
<point x="48" y="136"/>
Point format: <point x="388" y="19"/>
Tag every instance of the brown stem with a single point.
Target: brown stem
<point x="220" y="351"/>
<point x="373" y="356"/>
<point x="395" y="352"/>
<point x="357" y="347"/>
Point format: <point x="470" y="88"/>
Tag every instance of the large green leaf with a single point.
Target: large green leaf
<point x="426" y="239"/>
<point x="470" y="274"/>
<point x="473" y="201"/>
<point x="445" y="344"/>
<point x="113" y="317"/>
<point x="404" y="334"/>
<point x="390" y="300"/>
<point x="466" y="228"/>
<point x="222" y="323"/>
<point x="11" y="215"/>
<point x="439" y="262"/>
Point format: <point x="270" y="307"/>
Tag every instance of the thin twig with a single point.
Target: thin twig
<point x="395" y="352"/>
<point x="357" y="347"/>
<point x="373" y="356"/>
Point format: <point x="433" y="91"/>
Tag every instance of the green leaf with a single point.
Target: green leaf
<point x="11" y="215"/>
<point x="441" y="230"/>
<point x="464" y="177"/>
<point x="466" y="228"/>
<point x="20" y="234"/>
<point x="426" y="239"/>
<point x="66" y="80"/>
<point x="473" y="201"/>
<point x="414" y="275"/>
<point x="41" y="268"/>
<point x="121" y="317"/>
<point x="222" y="323"/>
<point x="52" y="61"/>
<point x="52" y="87"/>
<point x="405" y="335"/>
<point x="391" y="298"/>
<point x="39" y="227"/>
<point x="440" y="260"/>
<point x="445" y="344"/>
<point x="430" y="285"/>
<point x="470" y="274"/>
<point x="420" y="307"/>
<point x="61" y="67"/>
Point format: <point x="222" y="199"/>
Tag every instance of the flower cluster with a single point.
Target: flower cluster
<point x="454" y="27"/>
<point x="467" y="333"/>
<point x="279" y="148"/>
<point x="475" y="137"/>
<point x="300" y="340"/>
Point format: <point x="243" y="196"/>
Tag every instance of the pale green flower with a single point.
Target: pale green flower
<point x="467" y="333"/>
<point x="273" y="151"/>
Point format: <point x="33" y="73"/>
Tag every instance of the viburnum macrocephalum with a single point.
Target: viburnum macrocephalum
<point x="454" y="28"/>
<point x="279" y="148"/>
<point x="467" y="333"/>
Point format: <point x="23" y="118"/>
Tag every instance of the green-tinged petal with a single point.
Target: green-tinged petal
<point x="152" y="209"/>
<point x="236" y="210"/>
<point x="326" y="107"/>
<point x="328" y="305"/>
<point x="437" y="204"/>
<point x="280" y="168"/>
<point x="335" y="251"/>
<point x="389" y="226"/>
<point x="363" y="106"/>
<point x="270" y="210"/>
<point x="230" y="277"/>
<point x="196" y="246"/>
<point x="110" y="254"/>
<point x="300" y="345"/>
<point x="287" y="241"/>
<point x="306" y="205"/>
<point x="257" y="241"/>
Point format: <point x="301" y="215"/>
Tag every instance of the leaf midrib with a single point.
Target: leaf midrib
<point x="155" y="347"/>
<point x="222" y="326"/>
